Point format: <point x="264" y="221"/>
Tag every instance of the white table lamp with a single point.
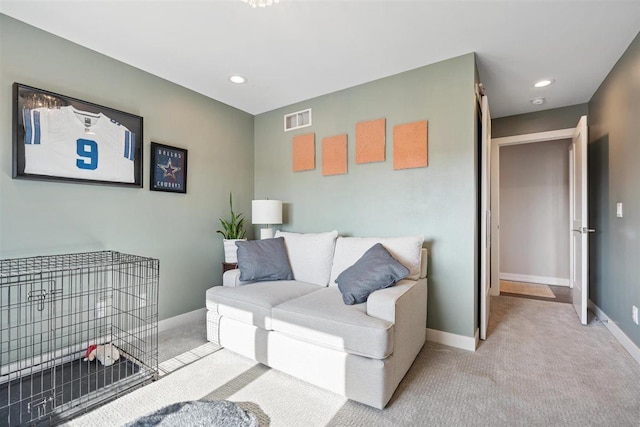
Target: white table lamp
<point x="267" y="213"/>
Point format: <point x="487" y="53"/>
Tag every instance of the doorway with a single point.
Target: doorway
<point x="534" y="207"/>
<point x="549" y="185"/>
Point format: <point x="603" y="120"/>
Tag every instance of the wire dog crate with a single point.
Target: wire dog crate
<point x="52" y="308"/>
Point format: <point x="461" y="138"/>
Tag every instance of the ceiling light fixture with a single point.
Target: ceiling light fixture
<point x="537" y="101"/>
<point x="260" y="3"/>
<point x="237" y="79"/>
<point x="543" y="83"/>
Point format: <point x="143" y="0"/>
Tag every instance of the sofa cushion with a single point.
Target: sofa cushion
<point x="310" y="255"/>
<point x="252" y="303"/>
<point x="322" y="318"/>
<point x="376" y="269"/>
<point x="407" y="250"/>
<point x="260" y="260"/>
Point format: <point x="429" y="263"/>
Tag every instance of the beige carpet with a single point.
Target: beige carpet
<point x="522" y="288"/>
<point x="538" y="367"/>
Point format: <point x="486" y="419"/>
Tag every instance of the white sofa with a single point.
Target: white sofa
<point x="302" y="327"/>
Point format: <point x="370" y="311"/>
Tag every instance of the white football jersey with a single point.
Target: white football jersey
<point x="77" y="144"/>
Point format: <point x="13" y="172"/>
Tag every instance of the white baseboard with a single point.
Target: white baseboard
<point x="622" y="338"/>
<point x="181" y="319"/>
<point x="453" y="340"/>
<point x="554" y="281"/>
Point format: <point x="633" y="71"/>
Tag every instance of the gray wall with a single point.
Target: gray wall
<point x="47" y="218"/>
<point x="614" y="176"/>
<point x="534" y="209"/>
<point x="541" y="121"/>
<point x="372" y="199"/>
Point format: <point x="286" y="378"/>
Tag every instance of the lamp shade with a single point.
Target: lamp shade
<point x="266" y="212"/>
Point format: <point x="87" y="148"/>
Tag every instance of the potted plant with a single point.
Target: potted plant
<point x="232" y="231"/>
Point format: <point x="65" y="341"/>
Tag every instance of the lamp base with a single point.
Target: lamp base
<point x="266" y="233"/>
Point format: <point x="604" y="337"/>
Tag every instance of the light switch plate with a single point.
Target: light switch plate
<point x="619" y="210"/>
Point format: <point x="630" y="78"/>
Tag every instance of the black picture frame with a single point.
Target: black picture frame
<point x="168" y="168"/>
<point x="55" y="147"/>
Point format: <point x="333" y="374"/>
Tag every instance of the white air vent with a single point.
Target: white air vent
<point x="297" y="120"/>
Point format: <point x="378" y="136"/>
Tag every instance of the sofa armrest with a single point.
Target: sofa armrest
<point x="231" y="278"/>
<point x="404" y="305"/>
<point x="384" y="303"/>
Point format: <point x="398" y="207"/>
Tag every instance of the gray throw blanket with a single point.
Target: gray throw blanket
<point x="198" y="413"/>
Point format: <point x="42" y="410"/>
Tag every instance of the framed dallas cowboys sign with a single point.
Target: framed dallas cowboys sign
<point x="168" y="168"/>
<point x="59" y="138"/>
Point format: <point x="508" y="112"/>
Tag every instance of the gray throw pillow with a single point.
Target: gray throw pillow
<point x="376" y="269"/>
<point x="261" y="260"/>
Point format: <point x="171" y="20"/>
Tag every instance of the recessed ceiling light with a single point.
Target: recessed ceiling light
<point x="237" y="79"/>
<point x="537" y="101"/>
<point x="543" y="83"/>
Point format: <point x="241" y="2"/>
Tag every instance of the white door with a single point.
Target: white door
<point x="485" y="219"/>
<point x="579" y="222"/>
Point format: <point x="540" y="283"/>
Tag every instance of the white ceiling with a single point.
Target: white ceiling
<point x="296" y="50"/>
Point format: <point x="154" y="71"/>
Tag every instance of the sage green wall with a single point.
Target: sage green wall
<point x="614" y="154"/>
<point x="47" y="218"/>
<point x="372" y="199"/>
<point x="540" y="121"/>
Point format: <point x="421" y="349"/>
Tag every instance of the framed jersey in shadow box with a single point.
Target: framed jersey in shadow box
<point x="59" y="138"/>
<point x="168" y="168"/>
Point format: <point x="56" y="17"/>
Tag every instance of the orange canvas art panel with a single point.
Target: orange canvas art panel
<point x="370" y="141"/>
<point x="304" y="152"/>
<point x="334" y="155"/>
<point x="410" y="145"/>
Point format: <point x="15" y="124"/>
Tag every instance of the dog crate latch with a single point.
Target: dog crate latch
<point x="39" y="296"/>
<point x="40" y="405"/>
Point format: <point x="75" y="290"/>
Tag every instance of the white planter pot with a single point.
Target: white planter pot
<point x="231" y="250"/>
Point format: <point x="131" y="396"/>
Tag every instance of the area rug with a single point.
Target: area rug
<point x="522" y="288"/>
<point x="198" y="413"/>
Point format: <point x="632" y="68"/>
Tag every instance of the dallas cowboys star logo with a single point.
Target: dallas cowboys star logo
<point x="169" y="169"/>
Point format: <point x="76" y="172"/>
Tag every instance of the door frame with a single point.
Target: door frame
<point x="496" y="143"/>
